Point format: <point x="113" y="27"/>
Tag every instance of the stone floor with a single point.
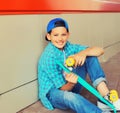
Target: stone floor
<point x="112" y="71"/>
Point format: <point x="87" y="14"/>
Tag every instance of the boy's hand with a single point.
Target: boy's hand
<point x="79" y="58"/>
<point x="71" y="78"/>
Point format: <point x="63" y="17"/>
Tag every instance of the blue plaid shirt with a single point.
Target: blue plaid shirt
<point x="50" y="75"/>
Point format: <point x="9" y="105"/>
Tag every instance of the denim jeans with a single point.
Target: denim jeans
<point x="72" y="99"/>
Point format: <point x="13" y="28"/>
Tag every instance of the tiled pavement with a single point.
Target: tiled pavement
<point x="112" y="71"/>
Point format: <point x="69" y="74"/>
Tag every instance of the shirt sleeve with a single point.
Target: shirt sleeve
<point x="78" y="47"/>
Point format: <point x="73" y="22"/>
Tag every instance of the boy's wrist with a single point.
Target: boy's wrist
<point x="71" y="84"/>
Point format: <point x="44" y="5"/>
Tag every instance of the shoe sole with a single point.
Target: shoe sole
<point x="104" y="107"/>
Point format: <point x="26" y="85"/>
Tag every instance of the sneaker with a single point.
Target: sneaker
<point x="117" y="104"/>
<point x="103" y="106"/>
<point x="113" y="98"/>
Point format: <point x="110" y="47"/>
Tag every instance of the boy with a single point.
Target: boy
<point x="60" y="90"/>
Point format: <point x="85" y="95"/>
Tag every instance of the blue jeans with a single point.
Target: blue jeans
<point x="72" y="99"/>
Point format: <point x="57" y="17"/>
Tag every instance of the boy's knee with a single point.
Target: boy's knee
<point x="92" y="58"/>
<point x="69" y="96"/>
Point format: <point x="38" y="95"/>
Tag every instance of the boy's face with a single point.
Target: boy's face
<point x="58" y="37"/>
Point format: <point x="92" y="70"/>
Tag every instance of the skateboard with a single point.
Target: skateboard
<point x="85" y="84"/>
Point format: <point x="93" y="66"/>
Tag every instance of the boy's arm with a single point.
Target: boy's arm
<point x="71" y="81"/>
<point x="81" y="56"/>
<point x="92" y="51"/>
<point x="68" y="86"/>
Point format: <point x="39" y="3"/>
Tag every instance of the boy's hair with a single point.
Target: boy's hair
<point x="57" y="22"/>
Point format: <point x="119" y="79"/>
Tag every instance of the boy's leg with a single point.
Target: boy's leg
<point x="68" y="100"/>
<point x="94" y="70"/>
<point x="103" y="89"/>
<point x="82" y="72"/>
<point x="97" y="76"/>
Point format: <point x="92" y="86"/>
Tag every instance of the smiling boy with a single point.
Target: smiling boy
<point x="58" y="89"/>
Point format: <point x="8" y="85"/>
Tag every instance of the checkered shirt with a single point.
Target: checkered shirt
<point x="50" y="75"/>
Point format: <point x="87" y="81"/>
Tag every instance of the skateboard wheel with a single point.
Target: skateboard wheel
<point x="113" y="95"/>
<point x="70" y="62"/>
